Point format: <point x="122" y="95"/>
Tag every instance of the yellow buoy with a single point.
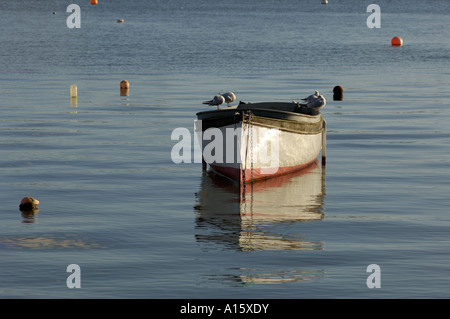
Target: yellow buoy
<point x="73" y="91"/>
<point x="397" y="41"/>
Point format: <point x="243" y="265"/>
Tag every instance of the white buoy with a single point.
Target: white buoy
<point x="324" y="1"/>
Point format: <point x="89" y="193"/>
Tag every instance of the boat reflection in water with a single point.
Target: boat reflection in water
<point x="261" y="217"/>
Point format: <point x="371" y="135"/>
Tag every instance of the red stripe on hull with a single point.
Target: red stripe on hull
<point x="238" y="174"/>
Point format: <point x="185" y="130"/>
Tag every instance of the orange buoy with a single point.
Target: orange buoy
<point x="94" y="2"/>
<point x="397" y="41"/>
<point x="124" y="84"/>
<point x="119" y="20"/>
<point x="28" y="204"/>
<point x="124" y="88"/>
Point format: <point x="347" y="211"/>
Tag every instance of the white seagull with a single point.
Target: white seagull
<point x="217" y="100"/>
<point x="315" y="101"/>
<point x="312" y="96"/>
<point x="229" y="97"/>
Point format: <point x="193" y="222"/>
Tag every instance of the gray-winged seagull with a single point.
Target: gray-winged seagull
<point x="217" y="100"/>
<point x="311" y="97"/>
<point x="315" y="101"/>
<point x="229" y="97"/>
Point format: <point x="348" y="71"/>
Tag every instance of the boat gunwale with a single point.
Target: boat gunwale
<point x="284" y="115"/>
<point x="303" y="132"/>
<point x="261" y="117"/>
<point x="227" y="112"/>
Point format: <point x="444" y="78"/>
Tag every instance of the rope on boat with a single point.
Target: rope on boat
<point x="247" y="121"/>
<point x="251" y="148"/>
<point x="324" y="143"/>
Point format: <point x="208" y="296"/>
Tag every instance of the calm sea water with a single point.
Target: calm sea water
<point x="140" y="226"/>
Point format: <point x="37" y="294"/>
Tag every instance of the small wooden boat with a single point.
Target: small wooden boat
<point x="253" y="141"/>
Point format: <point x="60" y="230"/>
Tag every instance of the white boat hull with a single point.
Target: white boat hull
<point x="260" y="147"/>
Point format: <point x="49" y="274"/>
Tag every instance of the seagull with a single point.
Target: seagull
<point x="312" y="96"/>
<point x="217" y="100"/>
<point x="229" y="97"/>
<point x="315" y="101"/>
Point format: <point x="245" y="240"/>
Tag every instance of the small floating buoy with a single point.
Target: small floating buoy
<point x="54" y="12"/>
<point x="73" y="91"/>
<point x="28" y="204"/>
<point x="124" y="88"/>
<point x="94" y="2"/>
<point x="73" y="96"/>
<point x="119" y="20"/>
<point x="124" y="84"/>
<point x="338" y="93"/>
<point x="397" y="41"/>
<point x="324" y="1"/>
